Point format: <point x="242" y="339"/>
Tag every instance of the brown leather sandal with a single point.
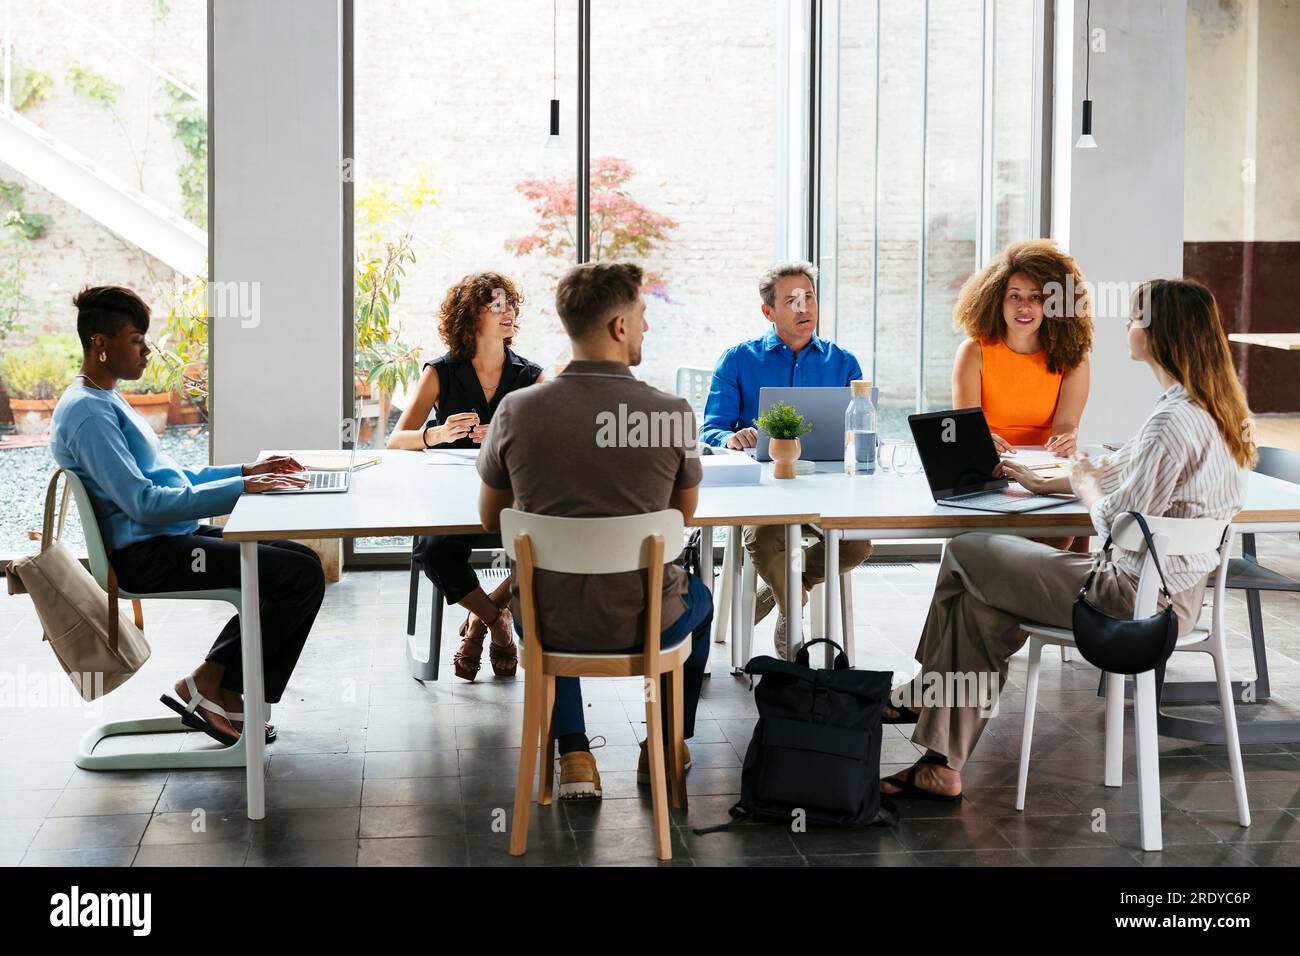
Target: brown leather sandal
<point x="504" y="657"/>
<point x="469" y="655"/>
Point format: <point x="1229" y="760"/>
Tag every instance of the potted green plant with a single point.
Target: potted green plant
<point x="36" y="376"/>
<point x="179" y="365"/>
<point x="783" y="425"/>
<point x="151" y="400"/>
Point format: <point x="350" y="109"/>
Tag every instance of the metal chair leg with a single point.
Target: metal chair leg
<point x="413" y="600"/>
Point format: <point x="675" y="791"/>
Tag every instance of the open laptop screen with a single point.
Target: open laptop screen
<point x="956" y="451"/>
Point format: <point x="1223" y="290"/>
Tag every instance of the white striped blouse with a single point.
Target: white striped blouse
<point x="1177" y="466"/>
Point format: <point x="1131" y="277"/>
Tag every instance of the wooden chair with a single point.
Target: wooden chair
<point x="596" y="546"/>
<point x="1171" y="536"/>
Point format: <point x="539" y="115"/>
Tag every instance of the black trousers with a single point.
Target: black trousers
<point x="290" y="581"/>
<point x="445" y="559"/>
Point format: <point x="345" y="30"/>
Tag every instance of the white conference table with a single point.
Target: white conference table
<point x="405" y="495"/>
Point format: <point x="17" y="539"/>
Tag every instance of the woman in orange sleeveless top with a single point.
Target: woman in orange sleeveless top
<point x="1025" y="359"/>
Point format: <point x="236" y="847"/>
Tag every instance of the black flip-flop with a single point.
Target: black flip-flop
<point x="909" y="790"/>
<point x="196" y="721"/>
<point x="905" y="715"/>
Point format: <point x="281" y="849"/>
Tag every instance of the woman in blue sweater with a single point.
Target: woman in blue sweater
<point x="149" y="509"/>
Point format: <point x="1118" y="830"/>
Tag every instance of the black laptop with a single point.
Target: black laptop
<point x="958" y="456"/>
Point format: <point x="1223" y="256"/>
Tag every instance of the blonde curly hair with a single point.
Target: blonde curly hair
<point x="1066" y="338"/>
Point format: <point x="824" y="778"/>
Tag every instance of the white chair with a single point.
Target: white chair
<point x="596" y="546"/>
<point x="1171" y="536"/>
<point x="87" y="759"/>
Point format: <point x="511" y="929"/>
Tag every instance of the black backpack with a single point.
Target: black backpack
<point x="816" y="747"/>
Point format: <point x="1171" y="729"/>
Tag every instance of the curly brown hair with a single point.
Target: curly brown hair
<point x="458" y="314"/>
<point x="1066" y="333"/>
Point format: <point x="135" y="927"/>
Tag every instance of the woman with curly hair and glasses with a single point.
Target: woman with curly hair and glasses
<point x="478" y="321"/>
<point x="1025" y="360"/>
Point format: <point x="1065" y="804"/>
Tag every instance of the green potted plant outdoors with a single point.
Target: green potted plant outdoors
<point x="36" y="376"/>
<point x="150" y="400"/>
<point x="384" y="361"/>
<point x="783" y="425"/>
<point x="179" y="365"/>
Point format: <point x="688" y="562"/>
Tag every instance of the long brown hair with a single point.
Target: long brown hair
<point x="1066" y="338"/>
<point x="1185" y="336"/>
<point x="458" y="315"/>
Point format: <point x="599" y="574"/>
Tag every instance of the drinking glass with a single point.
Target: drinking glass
<point x="885" y="456"/>
<point x="907" y="461"/>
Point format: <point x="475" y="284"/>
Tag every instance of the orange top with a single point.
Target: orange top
<point x="1018" y="394"/>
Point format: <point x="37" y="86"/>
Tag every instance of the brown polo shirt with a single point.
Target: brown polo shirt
<point x="594" y="442"/>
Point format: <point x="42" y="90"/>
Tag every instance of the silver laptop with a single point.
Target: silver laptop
<point x="958" y="456"/>
<point x="822" y="406"/>
<point x="323" y="482"/>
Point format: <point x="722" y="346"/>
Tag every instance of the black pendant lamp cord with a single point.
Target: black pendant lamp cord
<point x="1087" y="60"/>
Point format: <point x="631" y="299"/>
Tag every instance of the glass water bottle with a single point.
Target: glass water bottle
<point x="860" y="432"/>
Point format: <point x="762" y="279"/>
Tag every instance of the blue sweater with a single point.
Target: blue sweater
<point x="138" y="490"/>
<point x="767" y="361"/>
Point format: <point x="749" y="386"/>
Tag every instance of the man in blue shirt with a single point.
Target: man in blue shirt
<point x="789" y="353"/>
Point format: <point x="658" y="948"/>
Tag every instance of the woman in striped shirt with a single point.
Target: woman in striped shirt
<point x="1187" y="461"/>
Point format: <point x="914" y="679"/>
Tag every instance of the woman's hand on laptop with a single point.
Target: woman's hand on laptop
<point x="260" y="484"/>
<point x="745" y="438"/>
<point x="1003" y="446"/>
<point x="1023" y="475"/>
<point x="272" y="465"/>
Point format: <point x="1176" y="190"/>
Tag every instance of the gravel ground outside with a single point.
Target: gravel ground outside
<point x="25" y="473"/>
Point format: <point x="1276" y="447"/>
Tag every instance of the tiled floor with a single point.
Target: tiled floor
<point x="373" y="768"/>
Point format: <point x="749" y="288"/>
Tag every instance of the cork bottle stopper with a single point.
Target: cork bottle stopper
<point x="861" y="388"/>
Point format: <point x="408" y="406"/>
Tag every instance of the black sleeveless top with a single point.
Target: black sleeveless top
<point x="459" y="389"/>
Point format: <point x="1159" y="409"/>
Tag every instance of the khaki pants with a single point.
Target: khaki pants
<point x="766" y="547"/>
<point x="987" y="585"/>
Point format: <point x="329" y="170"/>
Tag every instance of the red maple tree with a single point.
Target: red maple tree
<point x="621" y="228"/>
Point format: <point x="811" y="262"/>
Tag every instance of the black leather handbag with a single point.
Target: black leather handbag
<point x="1125" y="646"/>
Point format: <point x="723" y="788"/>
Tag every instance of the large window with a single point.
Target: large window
<point x="704" y="127"/>
<point x="684" y="128"/>
<point x="934" y="171"/>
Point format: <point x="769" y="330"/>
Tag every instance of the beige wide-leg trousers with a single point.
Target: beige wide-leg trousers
<point x="987" y="585"/>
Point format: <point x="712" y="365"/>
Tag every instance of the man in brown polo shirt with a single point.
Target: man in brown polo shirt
<point x="596" y="442"/>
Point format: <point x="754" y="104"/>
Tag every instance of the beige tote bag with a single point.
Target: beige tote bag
<point x="98" y="646"/>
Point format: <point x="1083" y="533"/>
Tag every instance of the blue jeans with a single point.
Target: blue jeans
<point x="696" y="620"/>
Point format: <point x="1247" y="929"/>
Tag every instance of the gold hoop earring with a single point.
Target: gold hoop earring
<point x="103" y="357"/>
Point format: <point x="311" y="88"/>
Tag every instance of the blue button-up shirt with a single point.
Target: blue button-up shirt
<point x="767" y="361"/>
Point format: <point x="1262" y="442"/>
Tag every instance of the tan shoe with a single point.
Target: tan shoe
<point x="579" y="778"/>
<point x="643" y="762"/>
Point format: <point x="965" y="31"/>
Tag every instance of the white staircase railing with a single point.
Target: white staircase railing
<point x="85" y="184"/>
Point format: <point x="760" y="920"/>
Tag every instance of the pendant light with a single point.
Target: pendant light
<point x="1085" y="140"/>
<point x="553" y="141"/>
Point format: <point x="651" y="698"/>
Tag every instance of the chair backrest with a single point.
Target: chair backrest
<point x="1173" y="536"/>
<point x="1280" y="463"/>
<point x="95" y="549"/>
<point x="593" y="545"/>
<point x="693" y="384"/>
